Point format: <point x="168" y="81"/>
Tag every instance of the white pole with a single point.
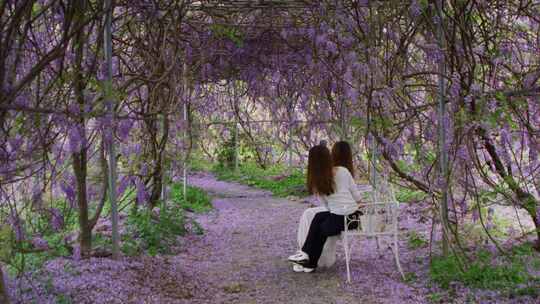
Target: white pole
<point x="184" y="141"/>
<point x="443" y="157"/>
<point x="236" y="145"/>
<point x="110" y="147"/>
<point x="236" y="139"/>
<point x="289" y="141"/>
<point x="373" y="160"/>
<point x="184" y="145"/>
<point x="289" y="145"/>
<point x="164" y="176"/>
<point x="343" y="125"/>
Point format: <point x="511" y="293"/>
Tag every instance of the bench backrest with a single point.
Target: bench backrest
<point x="379" y="215"/>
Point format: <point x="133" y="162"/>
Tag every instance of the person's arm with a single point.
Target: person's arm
<point x="357" y="196"/>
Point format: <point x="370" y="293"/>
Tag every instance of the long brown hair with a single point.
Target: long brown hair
<point x="342" y="156"/>
<point x="320" y="176"/>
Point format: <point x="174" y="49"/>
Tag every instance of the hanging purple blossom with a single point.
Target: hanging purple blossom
<point x="15" y="143"/>
<point x="142" y="195"/>
<point x="37" y="197"/>
<point x="40" y="243"/>
<point x="462" y="153"/>
<point x="125" y="181"/>
<point x="533" y="154"/>
<point x="75" y="140"/>
<point x="69" y="191"/>
<point x="74" y="109"/>
<point x="57" y="219"/>
<point x="22" y="101"/>
<point x="107" y="127"/>
<point x="137" y="149"/>
<point x="124" y="127"/>
<point x="17" y="225"/>
<point x="331" y="47"/>
<point x="77" y="253"/>
<point x="505" y="135"/>
<point x="475" y="215"/>
<point x="144" y="169"/>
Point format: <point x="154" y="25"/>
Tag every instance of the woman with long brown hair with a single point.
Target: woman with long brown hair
<point x="342" y="156"/>
<point x="336" y="188"/>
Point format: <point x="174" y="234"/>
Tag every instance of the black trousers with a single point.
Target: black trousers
<point x="323" y="225"/>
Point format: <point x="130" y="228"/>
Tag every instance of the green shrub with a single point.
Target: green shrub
<point x="292" y="183"/>
<point x="481" y="273"/>
<point x="7" y="239"/>
<point x="63" y="299"/>
<point x="130" y="246"/>
<point x="99" y="240"/>
<point x="196" y="199"/>
<point x="154" y="233"/>
<point x="416" y="240"/>
<point x="30" y="261"/>
<point x="405" y="195"/>
<point x="435" y="297"/>
<point x="199" y="164"/>
<point x="410" y="277"/>
<point x="473" y="232"/>
<point x="525" y="249"/>
<point x="22" y="256"/>
<point x="226" y="153"/>
<point x="48" y="285"/>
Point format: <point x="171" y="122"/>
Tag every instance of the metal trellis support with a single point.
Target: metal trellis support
<point x="110" y="147"/>
<point x="443" y="158"/>
<point x="185" y="135"/>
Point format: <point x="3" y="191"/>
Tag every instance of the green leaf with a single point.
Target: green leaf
<point x="7" y="238"/>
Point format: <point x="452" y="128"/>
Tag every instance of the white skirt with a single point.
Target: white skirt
<point x="328" y="256"/>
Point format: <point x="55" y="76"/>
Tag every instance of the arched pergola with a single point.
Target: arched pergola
<point x="240" y="14"/>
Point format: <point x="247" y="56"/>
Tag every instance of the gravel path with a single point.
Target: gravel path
<point x="243" y="254"/>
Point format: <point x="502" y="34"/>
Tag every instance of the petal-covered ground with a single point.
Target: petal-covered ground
<point x="248" y="238"/>
<point x="241" y="258"/>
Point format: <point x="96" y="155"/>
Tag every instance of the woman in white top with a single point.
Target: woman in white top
<point x="336" y="188"/>
<point x="341" y="156"/>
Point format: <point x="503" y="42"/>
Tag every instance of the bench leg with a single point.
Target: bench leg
<point x="396" y="256"/>
<point x="347" y="256"/>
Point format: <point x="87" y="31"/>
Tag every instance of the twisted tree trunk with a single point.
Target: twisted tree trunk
<point x="80" y="168"/>
<point x="157" y="145"/>
<point x="80" y="158"/>
<point x="4" y="297"/>
<point x="536" y="221"/>
<point x="526" y="200"/>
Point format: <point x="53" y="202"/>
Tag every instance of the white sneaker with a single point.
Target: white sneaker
<point x="300" y="268"/>
<point x="298" y="257"/>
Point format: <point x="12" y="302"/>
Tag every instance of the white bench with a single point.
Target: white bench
<point x="378" y="218"/>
